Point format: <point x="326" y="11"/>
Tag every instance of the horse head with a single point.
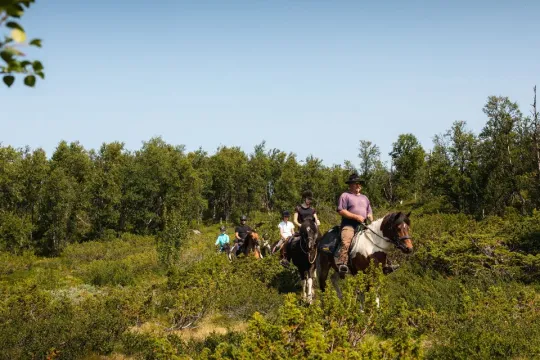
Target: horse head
<point x="310" y="234"/>
<point x="251" y="242"/>
<point x="396" y="227"/>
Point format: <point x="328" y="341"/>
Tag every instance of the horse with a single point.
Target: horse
<point x="302" y="250"/>
<point x="371" y="244"/>
<point x="227" y="250"/>
<point x="250" y="245"/>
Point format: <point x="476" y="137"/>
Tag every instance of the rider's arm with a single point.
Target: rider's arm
<point x="369" y="212"/>
<point x="317" y="222"/>
<point x="295" y="219"/>
<point x="236" y="236"/>
<point x="350" y="215"/>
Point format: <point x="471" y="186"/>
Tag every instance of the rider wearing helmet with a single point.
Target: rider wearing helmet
<point x="304" y="211"/>
<point x="286" y="232"/>
<point x="241" y="231"/>
<point x="222" y="239"/>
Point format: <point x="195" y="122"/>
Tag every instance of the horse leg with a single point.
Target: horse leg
<point x="309" y="290"/>
<point x="323" y="267"/>
<point x="335" y="281"/>
<point x="304" y="286"/>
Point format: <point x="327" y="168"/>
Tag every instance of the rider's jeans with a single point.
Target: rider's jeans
<point x="347" y="233"/>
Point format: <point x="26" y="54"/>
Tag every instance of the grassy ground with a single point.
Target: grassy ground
<point x="468" y="291"/>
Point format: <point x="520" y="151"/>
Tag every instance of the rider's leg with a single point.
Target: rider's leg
<point x="347" y="233"/>
<point x="280" y="242"/>
<point x="284" y="261"/>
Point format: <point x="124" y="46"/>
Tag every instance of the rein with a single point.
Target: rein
<point x="395" y="242"/>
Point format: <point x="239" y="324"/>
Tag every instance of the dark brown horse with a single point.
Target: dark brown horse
<point x="371" y="244"/>
<point x="302" y="250"/>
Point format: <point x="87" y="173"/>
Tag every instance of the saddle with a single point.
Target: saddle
<point x="331" y="241"/>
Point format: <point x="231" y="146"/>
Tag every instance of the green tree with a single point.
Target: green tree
<point x="505" y="156"/>
<point x="229" y="183"/>
<point x="10" y="52"/>
<point x="408" y="158"/>
<point x="106" y="188"/>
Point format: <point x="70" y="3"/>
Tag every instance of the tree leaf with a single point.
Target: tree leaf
<point x="7" y="56"/>
<point x="40" y="74"/>
<point x="15" y="10"/>
<point x="18" y="35"/>
<point x="14" y="25"/>
<point x="37" y="65"/>
<point x="30" y="80"/>
<point x="9" y="80"/>
<point x="36" y="42"/>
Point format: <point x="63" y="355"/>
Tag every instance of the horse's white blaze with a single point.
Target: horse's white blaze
<point x="367" y="243"/>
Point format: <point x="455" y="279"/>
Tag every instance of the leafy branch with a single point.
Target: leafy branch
<point x="12" y="57"/>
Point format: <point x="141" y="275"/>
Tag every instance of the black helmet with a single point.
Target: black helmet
<point x="222" y="228"/>
<point x="285" y="213"/>
<point x="243" y="218"/>
<point x="307" y="194"/>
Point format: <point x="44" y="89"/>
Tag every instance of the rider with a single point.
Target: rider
<point x="354" y="208"/>
<point x="304" y="211"/>
<point x="240" y="232"/>
<point x="286" y="232"/>
<point x="222" y="239"/>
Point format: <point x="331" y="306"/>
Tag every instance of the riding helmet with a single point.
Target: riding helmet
<point x="307" y="194"/>
<point x="286" y="213"/>
<point x="243" y="218"/>
<point x="222" y="228"/>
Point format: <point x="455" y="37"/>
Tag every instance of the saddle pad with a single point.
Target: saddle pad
<point x="330" y="241"/>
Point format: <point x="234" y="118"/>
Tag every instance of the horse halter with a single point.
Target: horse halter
<point x="396" y="240"/>
<point x="307" y="252"/>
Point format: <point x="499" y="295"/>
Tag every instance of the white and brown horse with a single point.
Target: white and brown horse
<point x="371" y="244"/>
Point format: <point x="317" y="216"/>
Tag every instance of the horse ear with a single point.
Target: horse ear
<point x="409" y="214"/>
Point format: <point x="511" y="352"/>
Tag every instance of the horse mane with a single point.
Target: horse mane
<point x="394" y="218"/>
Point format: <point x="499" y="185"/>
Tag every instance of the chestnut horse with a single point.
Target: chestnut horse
<point x="249" y="245"/>
<point x="371" y="244"/>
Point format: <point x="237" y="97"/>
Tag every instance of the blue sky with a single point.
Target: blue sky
<point x="309" y="77"/>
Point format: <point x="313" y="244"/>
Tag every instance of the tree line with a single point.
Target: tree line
<point x="78" y="194"/>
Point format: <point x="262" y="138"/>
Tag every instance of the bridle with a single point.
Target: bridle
<point x="307" y="251"/>
<point x="395" y="240"/>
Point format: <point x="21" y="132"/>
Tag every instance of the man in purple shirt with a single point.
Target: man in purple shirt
<point x="354" y="208"/>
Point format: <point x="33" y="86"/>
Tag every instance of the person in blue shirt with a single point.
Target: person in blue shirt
<point x="222" y="239"/>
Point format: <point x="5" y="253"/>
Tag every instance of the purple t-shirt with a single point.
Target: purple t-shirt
<point x="357" y="204"/>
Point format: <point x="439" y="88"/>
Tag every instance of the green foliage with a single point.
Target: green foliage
<point x="10" y="52"/>
<point x="170" y="239"/>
